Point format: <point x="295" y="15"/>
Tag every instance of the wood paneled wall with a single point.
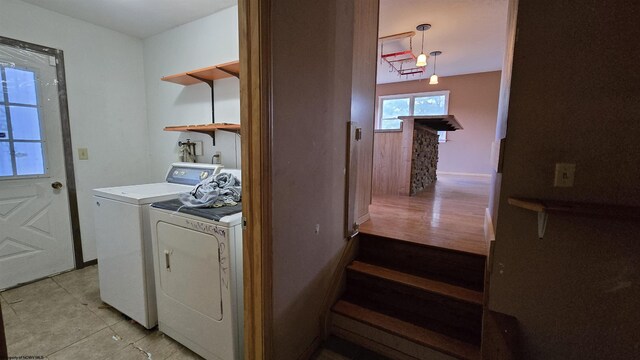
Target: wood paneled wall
<point x="363" y="98"/>
<point x="387" y="167"/>
<point x="392" y="161"/>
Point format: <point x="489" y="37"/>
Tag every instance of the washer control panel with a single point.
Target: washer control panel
<point x="191" y="173"/>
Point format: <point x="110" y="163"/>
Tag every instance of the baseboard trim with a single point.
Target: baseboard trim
<point x="337" y="286"/>
<point x="363" y="218"/>
<point x="311" y="350"/>
<point x="489" y="229"/>
<point x="90" y="263"/>
<point x="462" y="174"/>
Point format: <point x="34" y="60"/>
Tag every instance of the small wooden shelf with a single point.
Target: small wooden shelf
<point x="545" y="207"/>
<point x="209" y="129"/>
<point x="207" y="75"/>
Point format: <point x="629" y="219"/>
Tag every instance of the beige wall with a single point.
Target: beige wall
<point x="473" y="99"/>
<point x="576" y="292"/>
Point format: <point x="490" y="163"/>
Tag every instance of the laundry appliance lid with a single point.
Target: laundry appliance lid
<point x="144" y="193"/>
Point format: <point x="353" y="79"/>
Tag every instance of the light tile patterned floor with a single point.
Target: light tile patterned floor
<point x="62" y="317"/>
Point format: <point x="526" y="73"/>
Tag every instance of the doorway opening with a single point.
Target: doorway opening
<point x="418" y="280"/>
<point x="432" y="187"/>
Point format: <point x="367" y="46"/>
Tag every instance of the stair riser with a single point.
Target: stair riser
<point x="390" y="345"/>
<point x="462" y="269"/>
<point x="451" y="317"/>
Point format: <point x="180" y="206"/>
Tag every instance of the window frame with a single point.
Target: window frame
<point x="412" y="98"/>
<point x="5" y="105"/>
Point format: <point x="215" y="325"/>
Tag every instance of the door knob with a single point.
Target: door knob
<point x="56" y="185"/>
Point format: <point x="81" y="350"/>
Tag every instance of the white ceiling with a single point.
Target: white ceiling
<point x="139" y="18"/>
<point x="470" y="33"/>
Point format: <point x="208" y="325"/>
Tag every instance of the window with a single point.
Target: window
<point x="21" y="138"/>
<point x="430" y="103"/>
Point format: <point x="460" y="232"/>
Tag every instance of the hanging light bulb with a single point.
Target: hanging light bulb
<point x="433" y="80"/>
<point x="422" y="58"/>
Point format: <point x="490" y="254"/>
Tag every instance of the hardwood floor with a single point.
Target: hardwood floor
<point x="450" y="215"/>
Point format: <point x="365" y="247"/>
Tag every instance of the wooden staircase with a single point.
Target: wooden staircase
<point x="410" y="301"/>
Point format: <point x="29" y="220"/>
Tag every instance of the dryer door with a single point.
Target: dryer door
<point x="189" y="268"/>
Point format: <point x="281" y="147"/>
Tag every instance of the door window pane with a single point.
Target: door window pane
<point x="29" y="159"/>
<point x="5" y="159"/>
<point x="430" y="105"/>
<point x="4" y="128"/>
<point x="21" y="86"/>
<point x="21" y="146"/>
<point x="25" y="124"/>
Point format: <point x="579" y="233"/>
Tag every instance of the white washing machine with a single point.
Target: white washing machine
<point x="198" y="273"/>
<point x="123" y="239"/>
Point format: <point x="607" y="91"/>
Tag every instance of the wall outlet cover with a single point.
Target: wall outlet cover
<point x="83" y="153"/>
<point x="565" y="175"/>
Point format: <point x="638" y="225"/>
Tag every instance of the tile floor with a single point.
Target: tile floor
<point x="62" y="317"/>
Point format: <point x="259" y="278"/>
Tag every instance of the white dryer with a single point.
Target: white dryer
<point x="123" y="239"/>
<point x="198" y="272"/>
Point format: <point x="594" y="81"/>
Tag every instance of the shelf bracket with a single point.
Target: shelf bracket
<point x="232" y="73"/>
<point x="543" y="217"/>
<point x="213" y="106"/>
<point x="209" y="82"/>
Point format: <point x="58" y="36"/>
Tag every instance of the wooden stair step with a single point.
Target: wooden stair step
<point x="445" y="265"/>
<point x="418" y="282"/>
<point x="417" y="334"/>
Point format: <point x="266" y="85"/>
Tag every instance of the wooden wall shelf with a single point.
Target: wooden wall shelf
<point x="208" y="129"/>
<point x="546" y="207"/>
<point x="207" y="75"/>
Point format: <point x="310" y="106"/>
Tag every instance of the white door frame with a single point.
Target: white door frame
<point x="66" y="139"/>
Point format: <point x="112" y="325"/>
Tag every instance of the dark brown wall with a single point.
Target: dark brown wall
<point x="574" y="98"/>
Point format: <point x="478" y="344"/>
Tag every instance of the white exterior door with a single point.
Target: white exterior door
<point x="35" y="226"/>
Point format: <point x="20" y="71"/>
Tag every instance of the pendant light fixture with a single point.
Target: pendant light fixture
<point x="422" y="58"/>
<point x="433" y="80"/>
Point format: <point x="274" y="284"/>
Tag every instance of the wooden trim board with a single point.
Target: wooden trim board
<point x="463" y="174"/>
<point x="3" y="340"/>
<point x="255" y="65"/>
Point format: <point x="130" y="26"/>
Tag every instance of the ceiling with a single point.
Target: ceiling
<point x="470" y="33"/>
<point x="139" y="18"/>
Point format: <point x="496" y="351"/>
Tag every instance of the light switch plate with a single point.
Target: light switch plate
<point x="565" y="175"/>
<point x="83" y="153"/>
